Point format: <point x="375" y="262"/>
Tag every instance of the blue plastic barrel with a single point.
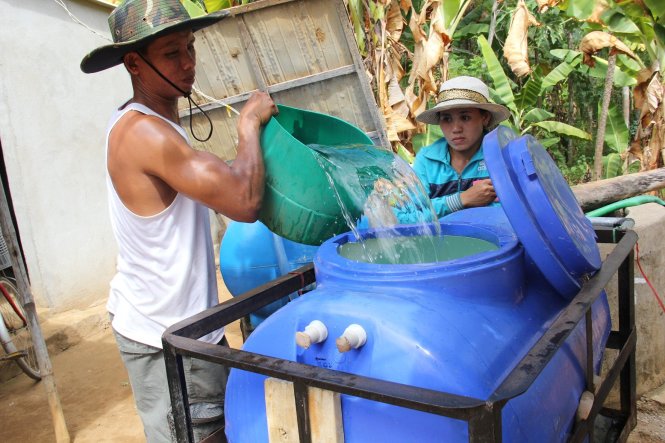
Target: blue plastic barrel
<point x="250" y="255"/>
<point x="427" y="327"/>
<point x="458" y="325"/>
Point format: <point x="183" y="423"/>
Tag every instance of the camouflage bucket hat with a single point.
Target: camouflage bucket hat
<point x="135" y="23"/>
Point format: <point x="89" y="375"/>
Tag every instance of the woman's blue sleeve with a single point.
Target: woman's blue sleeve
<point x="441" y="205"/>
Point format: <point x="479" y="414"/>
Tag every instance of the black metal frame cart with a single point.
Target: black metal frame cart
<point x="483" y="415"/>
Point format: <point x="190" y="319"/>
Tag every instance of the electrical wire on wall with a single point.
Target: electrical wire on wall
<point x="639" y="265"/>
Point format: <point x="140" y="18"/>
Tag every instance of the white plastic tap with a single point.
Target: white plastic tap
<point x="315" y="332"/>
<point x="354" y="336"/>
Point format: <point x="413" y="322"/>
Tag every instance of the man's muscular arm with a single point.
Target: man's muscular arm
<point x="162" y="158"/>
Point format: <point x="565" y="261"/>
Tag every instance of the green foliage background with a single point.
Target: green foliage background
<point x="559" y="102"/>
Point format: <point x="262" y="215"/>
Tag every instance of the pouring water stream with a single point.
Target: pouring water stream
<point x="389" y="194"/>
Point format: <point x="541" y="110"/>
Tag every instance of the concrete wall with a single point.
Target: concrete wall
<point x="649" y="317"/>
<point x="52" y="128"/>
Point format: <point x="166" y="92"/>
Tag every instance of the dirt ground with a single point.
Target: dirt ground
<point x="97" y="399"/>
<point x="91" y="380"/>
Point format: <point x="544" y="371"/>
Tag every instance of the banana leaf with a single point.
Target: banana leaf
<point x="194" y="8"/>
<point x="563" y="129"/>
<point x="616" y="131"/>
<point x="404" y="154"/>
<point x="561" y="72"/>
<point x="621" y="78"/>
<point x="628" y="64"/>
<point x="634" y="166"/>
<point x="471" y="29"/>
<point x="494" y="69"/>
<point x="216" y="5"/>
<point x="450" y="9"/>
<point x="660" y="32"/>
<point x="529" y="94"/>
<point x="357" y="19"/>
<point x="432" y="134"/>
<point x="619" y="23"/>
<point x="537" y="115"/>
<point x="600" y="71"/>
<point x="548" y="142"/>
<point x="580" y="9"/>
<point x="567" y="55"/>
<point x="612" y="165"/>
<point x="657" y="8"/>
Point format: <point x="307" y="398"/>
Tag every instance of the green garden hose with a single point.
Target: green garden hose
<point x="628" y="202"/>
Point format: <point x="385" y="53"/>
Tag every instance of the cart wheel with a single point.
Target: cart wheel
<point x="16" y="335"/>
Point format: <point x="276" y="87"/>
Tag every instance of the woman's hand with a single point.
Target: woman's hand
<point x="480" y="194"/>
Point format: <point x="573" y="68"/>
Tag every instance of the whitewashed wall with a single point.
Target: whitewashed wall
<point x="52" y="127"/>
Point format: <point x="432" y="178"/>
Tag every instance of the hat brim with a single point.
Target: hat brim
<point x="431" y="116"/>
<point x="111" y="55"/>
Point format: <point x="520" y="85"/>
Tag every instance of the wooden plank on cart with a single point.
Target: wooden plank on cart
<point x="325" y="416"/>
<point x="324" y="410"/>
<point x="281" y="411"/>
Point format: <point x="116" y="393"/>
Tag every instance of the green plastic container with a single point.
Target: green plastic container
<point x="299" y="203"/>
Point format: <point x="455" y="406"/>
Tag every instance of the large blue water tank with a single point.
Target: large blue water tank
<point x="457" y="325"/>
<point x="250" y="255"/>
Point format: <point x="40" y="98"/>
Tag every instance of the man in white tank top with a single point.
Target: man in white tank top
<point x="159" y="190"/>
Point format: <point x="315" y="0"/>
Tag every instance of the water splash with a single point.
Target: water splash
<point x="377" y="189"/>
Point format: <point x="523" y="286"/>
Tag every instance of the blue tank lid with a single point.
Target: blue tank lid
<point x="542" y="209"/>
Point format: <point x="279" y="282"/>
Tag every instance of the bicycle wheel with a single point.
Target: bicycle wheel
<point x="18" y="328"/>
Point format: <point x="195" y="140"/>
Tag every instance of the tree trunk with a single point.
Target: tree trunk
<point x="602" y="120"/>
<point x="492" y="30"/>
<point x="570" y="118"/>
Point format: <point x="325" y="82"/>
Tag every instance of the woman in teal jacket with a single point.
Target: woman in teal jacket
<point x="452" y="169"/>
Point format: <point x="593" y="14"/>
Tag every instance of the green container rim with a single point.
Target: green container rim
<point x="299" y="203"/>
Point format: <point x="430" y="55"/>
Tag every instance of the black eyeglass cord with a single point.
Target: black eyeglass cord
<point x="188" y="96"/>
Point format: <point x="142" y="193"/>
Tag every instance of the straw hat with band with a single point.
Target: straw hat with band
<point x="135" y="23"/>
<point x="464" y="92"/>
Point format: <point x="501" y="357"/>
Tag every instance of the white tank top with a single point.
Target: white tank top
<point x="165" y="266"/>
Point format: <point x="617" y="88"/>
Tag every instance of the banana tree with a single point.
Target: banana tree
<point x="621" y="159"/>
<point x="641" y="26"/>
<point x="525" y="115"/>
<point x="405" y="46"/>
<point x="590" y="45"/>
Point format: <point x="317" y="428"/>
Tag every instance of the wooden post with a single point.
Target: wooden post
<point x="45" y="368"/>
